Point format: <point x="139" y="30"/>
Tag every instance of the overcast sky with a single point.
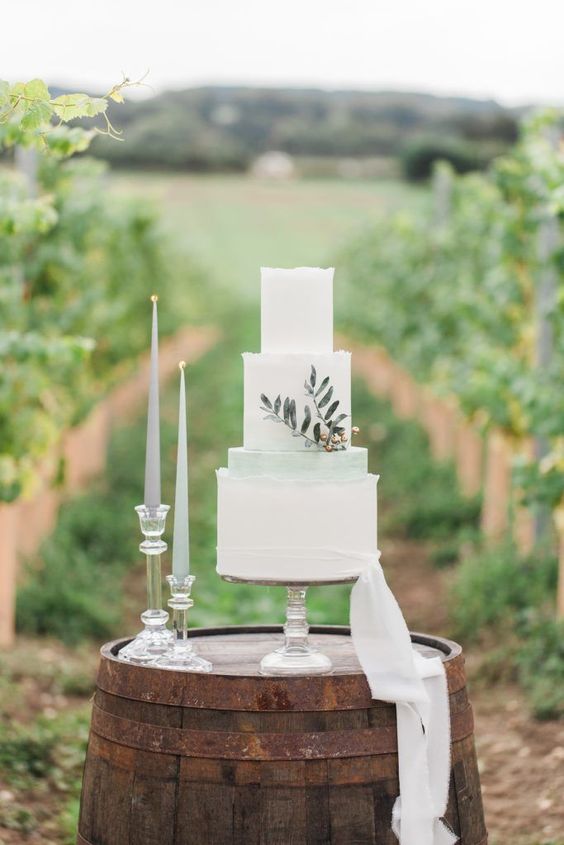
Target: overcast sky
<point x="507" y="49"/>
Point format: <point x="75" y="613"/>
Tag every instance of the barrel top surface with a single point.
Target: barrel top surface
<point x="235" y="682"/>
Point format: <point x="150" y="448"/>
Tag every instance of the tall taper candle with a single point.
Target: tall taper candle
<point x="181" y="535"/>
<point x="153" y="452"/>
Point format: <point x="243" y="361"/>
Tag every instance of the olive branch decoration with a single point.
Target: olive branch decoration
<point x="327" y="432"/>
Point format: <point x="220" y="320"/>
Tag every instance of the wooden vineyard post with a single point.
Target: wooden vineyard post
<point x="497" y="487"/>
<point x="439" y="420"/>
<point x="372" y="364"/>
<point x="8" y="572"/>
<point x="523" y="527"/>
<point x="469" y="453"/>
<point x="559" y="523"/>
<point x="524" y="521"/>
<point x="404" y="394"/>
<point x="546" y="297"/>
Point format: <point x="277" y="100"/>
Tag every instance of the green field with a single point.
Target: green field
<point x="234" y="224"/>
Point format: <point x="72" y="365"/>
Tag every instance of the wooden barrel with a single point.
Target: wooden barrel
<point x="232" y="757"/>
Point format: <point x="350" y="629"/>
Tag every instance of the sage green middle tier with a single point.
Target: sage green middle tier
<point x="314" y="465"/>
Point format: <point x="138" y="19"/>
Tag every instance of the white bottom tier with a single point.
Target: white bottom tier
<point x="288" y="530"/>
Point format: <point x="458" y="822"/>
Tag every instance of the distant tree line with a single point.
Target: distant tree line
<point x="225" y="129"/>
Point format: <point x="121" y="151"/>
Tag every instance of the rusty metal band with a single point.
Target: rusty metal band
<point x="231" y="745"/>
<point x="255" y="693"/>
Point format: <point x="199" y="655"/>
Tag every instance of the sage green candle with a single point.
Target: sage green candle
<point x="153" y="449"/>
<point x="181" y="534"/>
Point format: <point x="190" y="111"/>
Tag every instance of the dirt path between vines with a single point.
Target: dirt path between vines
<point x="521" y="760"/>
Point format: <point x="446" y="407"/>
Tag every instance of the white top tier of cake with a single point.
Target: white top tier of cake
<point x="297" y="310"/>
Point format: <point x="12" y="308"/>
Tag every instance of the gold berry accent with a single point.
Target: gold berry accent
<point x="328" y="448"/>
<point x="323" y="437"/>
<point x="344" y="437"/>
<point x="355" y="429"/>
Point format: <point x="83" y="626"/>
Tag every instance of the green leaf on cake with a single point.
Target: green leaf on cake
<point x="334" y="427"/>
<point x="326" y="432"/>
<point x="326" y="399"/>
<point x="293" y="417"/>
<point x="307" y="419"/>
<point x="337" y="420"/>
<point x="322" y="386"/>
<point x="331" y="410"/>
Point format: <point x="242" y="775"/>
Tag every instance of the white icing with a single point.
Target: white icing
<point x="274" y="530"/>
<point x="284" y="375"/>
<point x="310" y="464"/>
<point x="297" y="310"/>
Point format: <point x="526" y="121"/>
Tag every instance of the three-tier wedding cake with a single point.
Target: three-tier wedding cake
<point x="296" y="502"/>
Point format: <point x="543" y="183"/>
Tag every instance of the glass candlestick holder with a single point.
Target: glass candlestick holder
<point x="155" y="638"/>
<point x="181" y="654"/>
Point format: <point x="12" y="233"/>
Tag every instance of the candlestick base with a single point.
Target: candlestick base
<point x="180" y="654"/>
<point x="154" y="640"/>
<point x="183" y="659"/>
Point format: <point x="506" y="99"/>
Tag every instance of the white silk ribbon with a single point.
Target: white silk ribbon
<point x="417" y="686"/>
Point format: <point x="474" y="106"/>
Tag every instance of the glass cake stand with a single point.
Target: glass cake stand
<point x="296" y="656"/>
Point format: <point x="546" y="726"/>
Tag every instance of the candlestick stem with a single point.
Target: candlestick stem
<point x="181" y="654"/>
<point x="154" y="577"/>
<point x="155" y="638"/>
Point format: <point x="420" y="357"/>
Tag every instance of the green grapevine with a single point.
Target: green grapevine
<point x="456" y="304"/>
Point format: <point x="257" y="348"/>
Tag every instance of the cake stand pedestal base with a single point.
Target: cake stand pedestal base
<point x="296" y="656"/>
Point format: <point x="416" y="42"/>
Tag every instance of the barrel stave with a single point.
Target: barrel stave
<point x="465" y="775"/>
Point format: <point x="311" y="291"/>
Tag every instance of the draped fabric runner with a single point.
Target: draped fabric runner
<point x="396" y="673"/>
<point x="418" y="687"/>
